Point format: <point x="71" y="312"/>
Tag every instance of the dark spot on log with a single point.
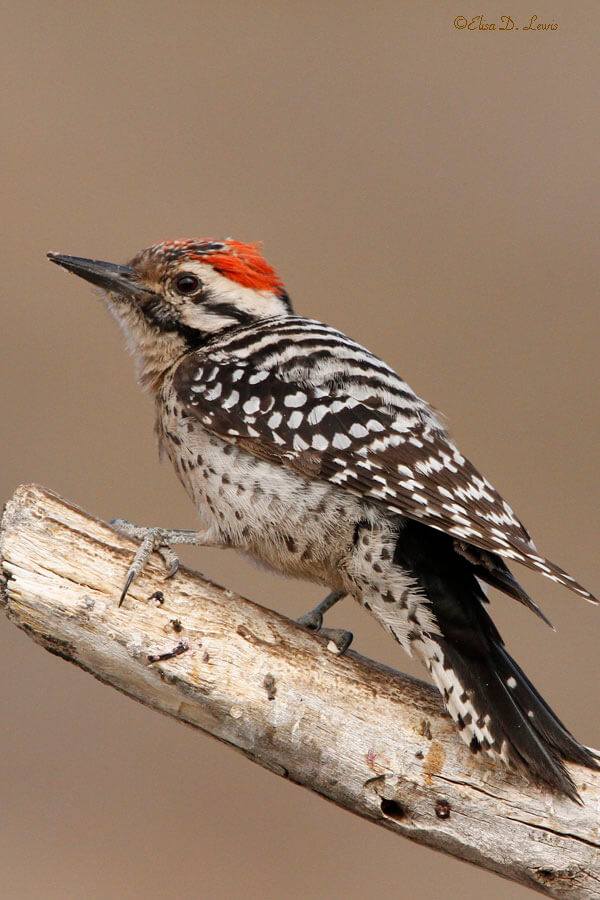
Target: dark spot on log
<point x="419" y="755"/>
<point x="547" y="876"/>
<point x="177" y="626"/>
<point x="269" y="684"/>
<point x="157" y="595"/>
<point x="391" y="809"/>
<point x="442" y="809"/>
<point x="425" y="729"/>
<point x="181" y="647"/>
<point x="205" y="656"/>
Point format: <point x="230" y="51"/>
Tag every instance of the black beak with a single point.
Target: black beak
<point x="108" y="276"/>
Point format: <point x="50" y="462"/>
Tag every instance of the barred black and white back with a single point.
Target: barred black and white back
<point x="302" y="393"/>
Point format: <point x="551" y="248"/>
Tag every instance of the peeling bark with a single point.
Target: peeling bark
<point x="371" y="740"/>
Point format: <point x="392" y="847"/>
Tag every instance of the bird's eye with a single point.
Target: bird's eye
<point x="187" y="284"/>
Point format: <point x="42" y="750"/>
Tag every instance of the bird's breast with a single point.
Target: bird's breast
<point x="289" y="523"/>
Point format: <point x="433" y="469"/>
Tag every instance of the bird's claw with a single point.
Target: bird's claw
<point x="153" y="540"/>
<point x="338" y="640"/>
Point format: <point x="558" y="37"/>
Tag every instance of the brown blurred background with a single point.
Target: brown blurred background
<point x="432" y="192"/>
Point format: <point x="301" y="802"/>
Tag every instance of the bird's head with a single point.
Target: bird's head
<point x="174" y="296"/>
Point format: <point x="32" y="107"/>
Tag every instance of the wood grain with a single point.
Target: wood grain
<point x="374" y="741"/>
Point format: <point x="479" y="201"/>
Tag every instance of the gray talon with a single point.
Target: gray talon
<point x="153" y="540"/>
<point x="171" y="560"/>
<point x="339" y="637"/>
<point x="313" y="621"/>
<point x="159" y="540"/>
<point x="130" y="577"/>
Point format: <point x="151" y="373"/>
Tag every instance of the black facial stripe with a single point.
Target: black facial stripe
<point x="164" y="318"/>
<point x="231" y="311"/>
<point x="159" y="313"/>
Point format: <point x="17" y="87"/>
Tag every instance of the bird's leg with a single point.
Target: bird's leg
<point x="159" y="540"/>
<point x="313" y="621"/>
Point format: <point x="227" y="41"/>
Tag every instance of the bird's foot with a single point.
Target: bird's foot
<point x="338" y="640"/>
<point x="155" y="540"/>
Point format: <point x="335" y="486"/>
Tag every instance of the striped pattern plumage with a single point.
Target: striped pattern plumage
<point x="303" y="395"/>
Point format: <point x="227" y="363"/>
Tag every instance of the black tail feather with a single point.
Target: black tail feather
<point x="545" y="721"/>
<point x="494" y="704"/>
<point x="492" y="569"/>
<point x="523" y="729"/>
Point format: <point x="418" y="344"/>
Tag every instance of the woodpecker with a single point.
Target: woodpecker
<point x="305" y="451"/>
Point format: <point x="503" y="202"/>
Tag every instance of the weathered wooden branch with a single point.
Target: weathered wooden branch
<point x="375" y="742"/>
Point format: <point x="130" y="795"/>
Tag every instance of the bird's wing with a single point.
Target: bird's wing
<point x="396" y="456"/>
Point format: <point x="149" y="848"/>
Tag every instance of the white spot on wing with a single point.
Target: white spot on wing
<point x="341" y="441"/>
<point x="320" y="442"/>
<point x="295" y="400"/>
<point x="231" y="400"/>
<point x="214" y="392"/>
<point x="258" y="376"/>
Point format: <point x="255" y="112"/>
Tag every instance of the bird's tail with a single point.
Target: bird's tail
<point x="499" y="711"/>
<point x="495" y="706"/>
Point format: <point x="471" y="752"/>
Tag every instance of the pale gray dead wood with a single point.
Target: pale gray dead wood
<point x="371" y="740"/>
